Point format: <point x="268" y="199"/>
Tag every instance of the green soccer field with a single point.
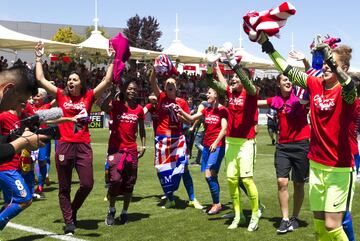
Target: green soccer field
<point x="148" y="221"/>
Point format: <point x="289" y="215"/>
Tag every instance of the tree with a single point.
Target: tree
<point x="89" y="29"/>
<point x="67" y="35"/>
<point x="143" y="33"/>
<point x="132" y="31"/>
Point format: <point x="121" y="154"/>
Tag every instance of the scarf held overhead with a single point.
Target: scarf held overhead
<point x="269" y="21"/>
<point x="122" y="54"/>
<point x="170" y="161"/>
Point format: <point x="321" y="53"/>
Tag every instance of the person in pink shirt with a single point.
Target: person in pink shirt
<point x="128" y="117"/>
<point x="291" y="149"/>
<point x="74" y="149"/>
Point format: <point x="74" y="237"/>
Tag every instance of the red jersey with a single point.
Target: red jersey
<point x="293" y="126"/>
<point x="154" y="112"/>
<point x="243" y="114"/>
<point x="333" y="125"/>
<point x="71" y="106"/>
<point x="212" y="122"/>
<point x="169" y="123"/>
<point x="124" y="126"/>
<point x="8" y="122"/>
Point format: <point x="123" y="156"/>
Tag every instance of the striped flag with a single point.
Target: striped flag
<point x="164" y="66"/>
<point x="170" y="161"/>
<point x="269" y="21"/>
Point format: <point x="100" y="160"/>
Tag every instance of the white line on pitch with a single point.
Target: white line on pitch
<point x="42" y="232"/>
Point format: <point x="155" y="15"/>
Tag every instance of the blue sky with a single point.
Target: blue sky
<point x="202" y="23"/>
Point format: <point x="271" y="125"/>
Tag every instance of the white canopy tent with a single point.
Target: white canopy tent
<point x="184" y="54"/>
<point x="13" y="40"/>
<point x="251" y="61"/>
<point x="97" y="43"/>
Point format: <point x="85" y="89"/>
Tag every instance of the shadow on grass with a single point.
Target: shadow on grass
<point x="179" y="203"/>
<point x="222" y="216"/>
<point x="138" y="198"/>
<point x="29" y="238"/>
<point x="277" y="220"/>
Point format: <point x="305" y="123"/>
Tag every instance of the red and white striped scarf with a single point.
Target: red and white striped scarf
<point x="269" y="21"/>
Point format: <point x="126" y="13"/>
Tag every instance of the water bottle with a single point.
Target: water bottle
<point x="317" y="60"/>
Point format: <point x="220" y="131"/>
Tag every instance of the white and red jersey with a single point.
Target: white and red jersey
<point x="154" y="112"/>
<point x="293" y="126"/>
<point x="124" y="126"/>
<point x="9" y="122"/>
<point x="243" y="114"/>
<point x="212" y="122"/>
<point x="169" y="123"/>
<point x="72" y="106"/>
<point x="333" y="125"/>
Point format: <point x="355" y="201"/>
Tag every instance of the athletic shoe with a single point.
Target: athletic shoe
<point x="215" y="209"/>
<point x="163" y="197"/>
<point x="69" y="229"/>
<point x="105" y="199"/>
<point x="110" y="219"/>
<point x="261" y="210"/>
<point x="36" y="196"/>
<point x="235" y="223"/>
<point x="294" y="223"/>
<point x="285" y="226"/>
<point x="169" y="204"/>
<point x="123" y="219"/>
<point x="195" y="203"/>
<point x="254" y="224"/>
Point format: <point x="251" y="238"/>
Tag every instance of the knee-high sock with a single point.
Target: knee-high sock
<point x="357" y="163"/>
<point x="252" y="194"/>
<point x="235" y="195"/>
<point x="338" y="234"/>
<point x="42" y="173"/>
<point x="188" y="183"/>
<point x="348" y="226"/>
<point x="8" y="213"/>
<point x="320" y="230"/>
<point x="214" y="188"/>
<point x="47" y="168"/>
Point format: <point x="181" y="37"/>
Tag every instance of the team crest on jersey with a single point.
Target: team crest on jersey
<point x="23" y="193"/>
<point x="61" y="158"/>
<point x="111" y="158"/>
<point x="323" y="104"/>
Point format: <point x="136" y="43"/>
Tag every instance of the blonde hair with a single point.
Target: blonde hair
<point x="344" y="54"/>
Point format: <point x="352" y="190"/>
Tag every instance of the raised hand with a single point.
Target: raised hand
<point x="324" y="49"/>
<point x="296" y="55"/>
<point x="39" y="49"/>
<point x="228" y="51"/>
<point x="111" y="52"/>
<point x="212" y="55"/>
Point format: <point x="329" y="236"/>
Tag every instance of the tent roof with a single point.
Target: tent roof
<point x="251" y="61"/>
<point x="178" y="50"/>
<point x="10" y="39"/>
<point x="98" y="43"/>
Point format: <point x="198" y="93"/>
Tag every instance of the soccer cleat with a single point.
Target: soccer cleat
<point x="294" y="223"/>
<point x="123" y="219"/>
<point x="169" y="204"/>
<point x="105" y="199"/>
<point x="195" y="203"/>
<point x="235" y="223"/>
<point x="285" y="226"/>
<point x="69" y="229"/>
<point x="254" y="224"/>
<point x="261" y="210"/>
<point x="110" y="218"/>
<point x="215" y="209"/>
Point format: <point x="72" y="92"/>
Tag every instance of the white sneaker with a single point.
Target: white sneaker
<point x="196" y="204"/>
<point x="254" y="224"/>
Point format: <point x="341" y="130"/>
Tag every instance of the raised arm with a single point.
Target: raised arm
<point x="153" y="83"/>
<point x="102" y="86"/>
<point x="40" y="77"/>
<point x="300" y="57"/>
<point x="219" y="74"/>
<point x="212" y="56"/>
<point x="295" y="75"/>
<point x="105" y="106"/>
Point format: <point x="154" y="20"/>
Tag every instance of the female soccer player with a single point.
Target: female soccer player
<point x="74" y="149"/>
<point x="334" y="109"/>
<point x="291" y="149"/>
<point x="215" y="119"/>
<point x="123" y="156"/>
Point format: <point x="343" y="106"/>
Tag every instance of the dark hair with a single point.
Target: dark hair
<point x="82" y="82"/>
<point x="124" y="88"/>
<point x="23" y="76"/>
